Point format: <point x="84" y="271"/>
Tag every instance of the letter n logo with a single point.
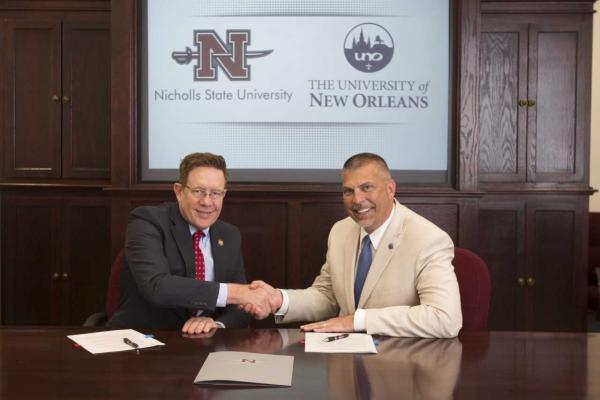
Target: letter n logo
<point x="212" y="53"/>
<point x="231" y="57"/>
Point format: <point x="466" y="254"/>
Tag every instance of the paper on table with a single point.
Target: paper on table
<point x="242" y="368"/>
<point x="354" y="343"/>
<point x="110" y="341"/>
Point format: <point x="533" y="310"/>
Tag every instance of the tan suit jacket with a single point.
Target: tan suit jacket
<point x="411" y="289"/>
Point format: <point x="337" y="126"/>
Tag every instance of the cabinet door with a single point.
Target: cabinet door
<point x="32" y="109"/>
<point x="558" y="72"/>
<point x="57" y="258"/>
<point x="556" y="246"/>
<point x="503" y="83"/>
<point x="501" y="238"/>
<point x="86" y="100"/>
<point x="85" y="261"/>
<point x="31" y="288"/>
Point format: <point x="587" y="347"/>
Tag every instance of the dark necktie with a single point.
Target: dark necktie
<point x="198" y="256"/>
<point x="364" y="263"/>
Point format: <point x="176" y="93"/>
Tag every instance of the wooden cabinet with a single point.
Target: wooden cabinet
<point x="534" y="99"/>
<point x="56" y="96"/>
<point x="55" y="68"/>
<point x="534" y="248"/>
<point x="56" y="257"/>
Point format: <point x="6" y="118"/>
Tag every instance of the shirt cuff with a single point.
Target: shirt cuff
<point x="360" y="320"/>
<point x="222" y="296"/>
<point x="284" y="304"/>
<point x="219" y="324"/>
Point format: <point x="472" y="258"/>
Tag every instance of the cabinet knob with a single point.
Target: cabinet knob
<point x="530" y="103"/>
<point x="55" y="99"/>
<point x="531" y="281"/>
<point x="64" y="276"/>
<point x="521" y="281"/>
<point x="55" y="276"/>
<point x="522" y="103"/>
<point x="66" y="99"/>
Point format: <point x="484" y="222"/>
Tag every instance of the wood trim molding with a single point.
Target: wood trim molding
<point x="467" y="103"/>
<point x="532" y="7"/>
<point x="123" y="91"/>
<point x="40" y="5"/>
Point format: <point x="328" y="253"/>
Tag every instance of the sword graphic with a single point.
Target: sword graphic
<point x="185" y="57"/>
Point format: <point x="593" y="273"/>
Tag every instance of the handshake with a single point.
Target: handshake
<point x="258" y="298"/>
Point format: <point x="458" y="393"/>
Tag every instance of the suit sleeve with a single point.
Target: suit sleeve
<point x="438" y="314"/>
<point x="231" y="317"/>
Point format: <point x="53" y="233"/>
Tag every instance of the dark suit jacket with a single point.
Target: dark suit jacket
<point x="157" y="286"/>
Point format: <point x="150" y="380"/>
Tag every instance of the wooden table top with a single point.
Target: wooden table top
<point x="42" y="363"/>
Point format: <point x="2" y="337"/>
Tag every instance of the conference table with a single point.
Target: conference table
<point x="42" y="363"/>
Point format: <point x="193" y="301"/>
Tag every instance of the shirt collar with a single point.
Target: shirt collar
<point x="378" y="233"/>
<point x="194" y="230"/>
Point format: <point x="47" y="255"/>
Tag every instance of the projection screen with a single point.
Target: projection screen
<point x="287" y="91"/>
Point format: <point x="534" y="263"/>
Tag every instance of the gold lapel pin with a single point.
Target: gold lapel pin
<point x="220" y="242"/>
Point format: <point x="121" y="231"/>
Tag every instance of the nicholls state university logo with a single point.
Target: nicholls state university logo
<point x="212" y="53"/>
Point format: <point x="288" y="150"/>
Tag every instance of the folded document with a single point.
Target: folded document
<point x="241" y="368"/>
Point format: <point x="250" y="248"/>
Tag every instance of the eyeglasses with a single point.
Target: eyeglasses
<point x="365" y="188"/>
<point x="200" y="193"/>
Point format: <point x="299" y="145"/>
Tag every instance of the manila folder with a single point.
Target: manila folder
<point x="241" y="368"/>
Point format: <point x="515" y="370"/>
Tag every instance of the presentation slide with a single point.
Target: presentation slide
<point x="286" y="91"/>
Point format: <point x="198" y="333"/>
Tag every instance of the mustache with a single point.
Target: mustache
<point x="358" y="207"/>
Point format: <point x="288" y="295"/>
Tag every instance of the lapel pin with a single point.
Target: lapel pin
<point x="390" y="246"/>
<point x="220" y="242"/>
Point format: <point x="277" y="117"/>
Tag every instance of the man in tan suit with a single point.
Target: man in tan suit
<point x="387" y="271"/>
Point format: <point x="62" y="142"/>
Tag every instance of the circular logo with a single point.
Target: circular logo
<point x="368" y="47"/>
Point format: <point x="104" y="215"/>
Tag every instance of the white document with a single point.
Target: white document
<point x="242" y="368"/>
<point x="354" y="343"/>
<point x="110" y="341"/>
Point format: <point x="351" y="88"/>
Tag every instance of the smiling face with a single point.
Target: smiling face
<point x="203" y="211"/>
<point x="368" y="193"/>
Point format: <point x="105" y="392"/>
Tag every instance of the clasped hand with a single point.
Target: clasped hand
<point x="261" y="300"/>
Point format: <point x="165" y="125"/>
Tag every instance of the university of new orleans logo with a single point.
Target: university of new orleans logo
<point x="368" y="47"/>
<point x="212" y="53"/>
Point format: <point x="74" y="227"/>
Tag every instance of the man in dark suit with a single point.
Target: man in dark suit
<point x="183" y="267"/>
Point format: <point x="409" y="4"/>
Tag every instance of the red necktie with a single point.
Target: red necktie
<point x="198" y="256"/>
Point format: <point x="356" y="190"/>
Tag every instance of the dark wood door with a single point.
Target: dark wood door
<point x="556" y="280"/>
<point x="501" y="245"/>
<point x="533" y="118"/>
<point x="556" y="98"/>
<point x="86" y="100"/>
<point x="85" y="262"/>
<point x="31" y="100"/>
<point x="31" y="288"/>
<point x="502" y="93"/>
<point x="57" y="258"/>
<point x="56" y="105"/>
<point x="534" y="248"/>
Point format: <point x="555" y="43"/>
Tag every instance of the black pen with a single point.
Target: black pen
<point x="338" y="337"/>
<point x="130" y="343"/>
